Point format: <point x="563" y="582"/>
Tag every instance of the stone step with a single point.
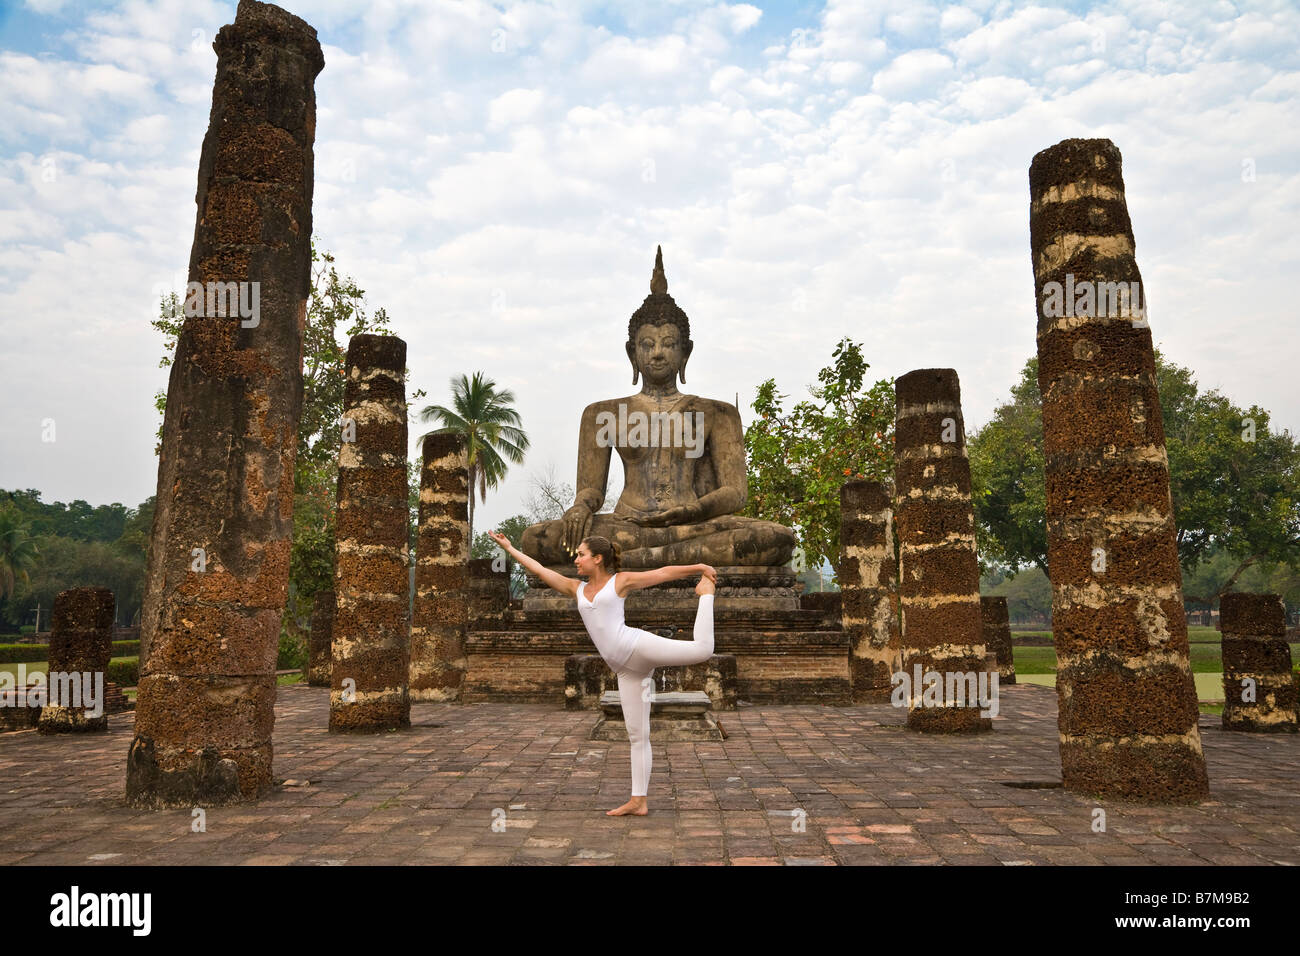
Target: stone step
<point x="674" y="705"/>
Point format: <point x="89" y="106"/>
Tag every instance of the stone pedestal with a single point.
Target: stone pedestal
<point x="673" y="717"/>
<point x="1259" y="687"/>
<point x="1128" y="705"/>
<point x="587" y="677"/>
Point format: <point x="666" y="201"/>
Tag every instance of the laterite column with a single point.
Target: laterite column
<point x="1128" y="705"/>
<point x="868" y="589"/>
<point x="1259" y="688"/>
<point x="997" y="636"/>
<point x="442" y="591"/>
<point x="218" y="567"/>
<point x="942" y="629"/>
<point x="81" y="643"/>
<point x="371" y="635"/>
<point x="321" y="639"/>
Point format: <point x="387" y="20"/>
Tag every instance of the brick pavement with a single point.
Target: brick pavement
<point x="522" y="784"/>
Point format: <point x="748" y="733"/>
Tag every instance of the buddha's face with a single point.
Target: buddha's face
<point x="660" y="353"/>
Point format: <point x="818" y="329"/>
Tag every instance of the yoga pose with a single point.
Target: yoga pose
<point x="631" y="653"/>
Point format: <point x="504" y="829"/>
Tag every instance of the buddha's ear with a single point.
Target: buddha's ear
<point x="686" y="357"/>
<point x="631" y="357"/>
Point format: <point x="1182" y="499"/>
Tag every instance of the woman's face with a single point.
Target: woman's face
<point x="585" y="562"/>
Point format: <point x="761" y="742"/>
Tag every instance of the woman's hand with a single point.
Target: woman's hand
<point x="502" y="540"/>
<point x="708" y="572"/>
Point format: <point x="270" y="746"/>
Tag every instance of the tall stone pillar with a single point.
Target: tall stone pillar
<point x="869" y="589"/>
<point x="81" y="645"/>
<point x="321" y="639"/>
<point x="442" y="585"/>
<point x="1259" y="687"/>
<point x="371" y="636"/>
<point x="218" y="569"/>
<point x="942" y="631"/>
<point x="1128" y="706"/>
<point x="997" y="637"/>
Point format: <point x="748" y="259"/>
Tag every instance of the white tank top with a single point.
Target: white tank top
<point x="604" y="619"/>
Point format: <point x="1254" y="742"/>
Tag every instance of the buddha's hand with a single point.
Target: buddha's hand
<point x="684" y="514"/>
<point x="577" y="524"/>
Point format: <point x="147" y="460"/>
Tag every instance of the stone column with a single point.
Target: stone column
<point x="939" y="573"/>
<point x="489" y="593"/>
<point x="320" y="641"/>
<point x="1128" y="706"/>
<point x="371" y="635"/>
<point x="442" y="585"/>
<point x="1259" y="688"/>
<point x="81" y="645"/>
<point x="997" y="637"/>
<point x="869" y="589"/>
<point x="218" y="569"/>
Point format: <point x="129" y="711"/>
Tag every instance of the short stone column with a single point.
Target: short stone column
<point x="942" y="631"/>
<point x="489" y="592"/>
<point x="1259" y="688"/>
<point x="442" y="585"/>
<point x="867" y="575"/>
<point x="1127" y="700"/>
<point x="218" y="570"/>
<point x="81" y="645"/>
<point x="997" y="637"/>
<point x="321" y="639"/>
<point x="371" y="635"/>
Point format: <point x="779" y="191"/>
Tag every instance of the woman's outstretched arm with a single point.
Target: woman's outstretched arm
<point x="555" y="581"/>
<point x="635" y="580"/>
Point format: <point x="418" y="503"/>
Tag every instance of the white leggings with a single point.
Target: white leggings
<point x="636" y="683"/>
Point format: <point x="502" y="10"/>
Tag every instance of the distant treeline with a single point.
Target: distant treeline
<point x="46" y="548"/>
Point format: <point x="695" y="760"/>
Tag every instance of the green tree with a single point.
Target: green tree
<point x="18" y="552"/>
<point x="484" y="547"/>
<point x="1235" y="483"/>
<point x="797" y="461"/>
<point x="487" y="424"/>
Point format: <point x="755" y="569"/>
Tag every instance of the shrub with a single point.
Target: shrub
<point x="124" y="672"/>
<point x="293" y="652"/>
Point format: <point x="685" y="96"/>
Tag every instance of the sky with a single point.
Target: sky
<point x="497" y="177"/>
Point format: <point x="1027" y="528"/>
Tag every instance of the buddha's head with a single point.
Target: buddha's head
<point x="659" y="334"/>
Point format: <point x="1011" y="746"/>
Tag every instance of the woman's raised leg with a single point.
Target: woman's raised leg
<point x="654" y="651"/>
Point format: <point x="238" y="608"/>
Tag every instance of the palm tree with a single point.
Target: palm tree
<point x="17" y="552"/>
<point x="486" y="424"/>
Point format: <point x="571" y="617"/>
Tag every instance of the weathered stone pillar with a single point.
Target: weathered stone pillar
<point x="218" y="570"/>
<point x="939" y="572"/>
<point x="997" y="636"/>
<point x="1128" y="706"/>
<point x="321" y="639"/>
<point x="1259" y="688"/>
<point x="81" y="645"/>
<point x="868" y="589"/>
<point x="489" y="593"/>
<point x="442" y="586"/>
<point x="371" y="635"/>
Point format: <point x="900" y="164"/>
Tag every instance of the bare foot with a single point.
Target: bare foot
<point x="705" y="586"/>
<point x="634" y="807"/>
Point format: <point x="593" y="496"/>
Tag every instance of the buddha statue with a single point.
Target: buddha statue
<point x="683" y="459"/>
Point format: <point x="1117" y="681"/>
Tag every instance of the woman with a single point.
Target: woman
<point x="631" y="653"/>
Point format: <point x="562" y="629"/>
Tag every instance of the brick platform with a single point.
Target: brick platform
<point x="867" y="791"/>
